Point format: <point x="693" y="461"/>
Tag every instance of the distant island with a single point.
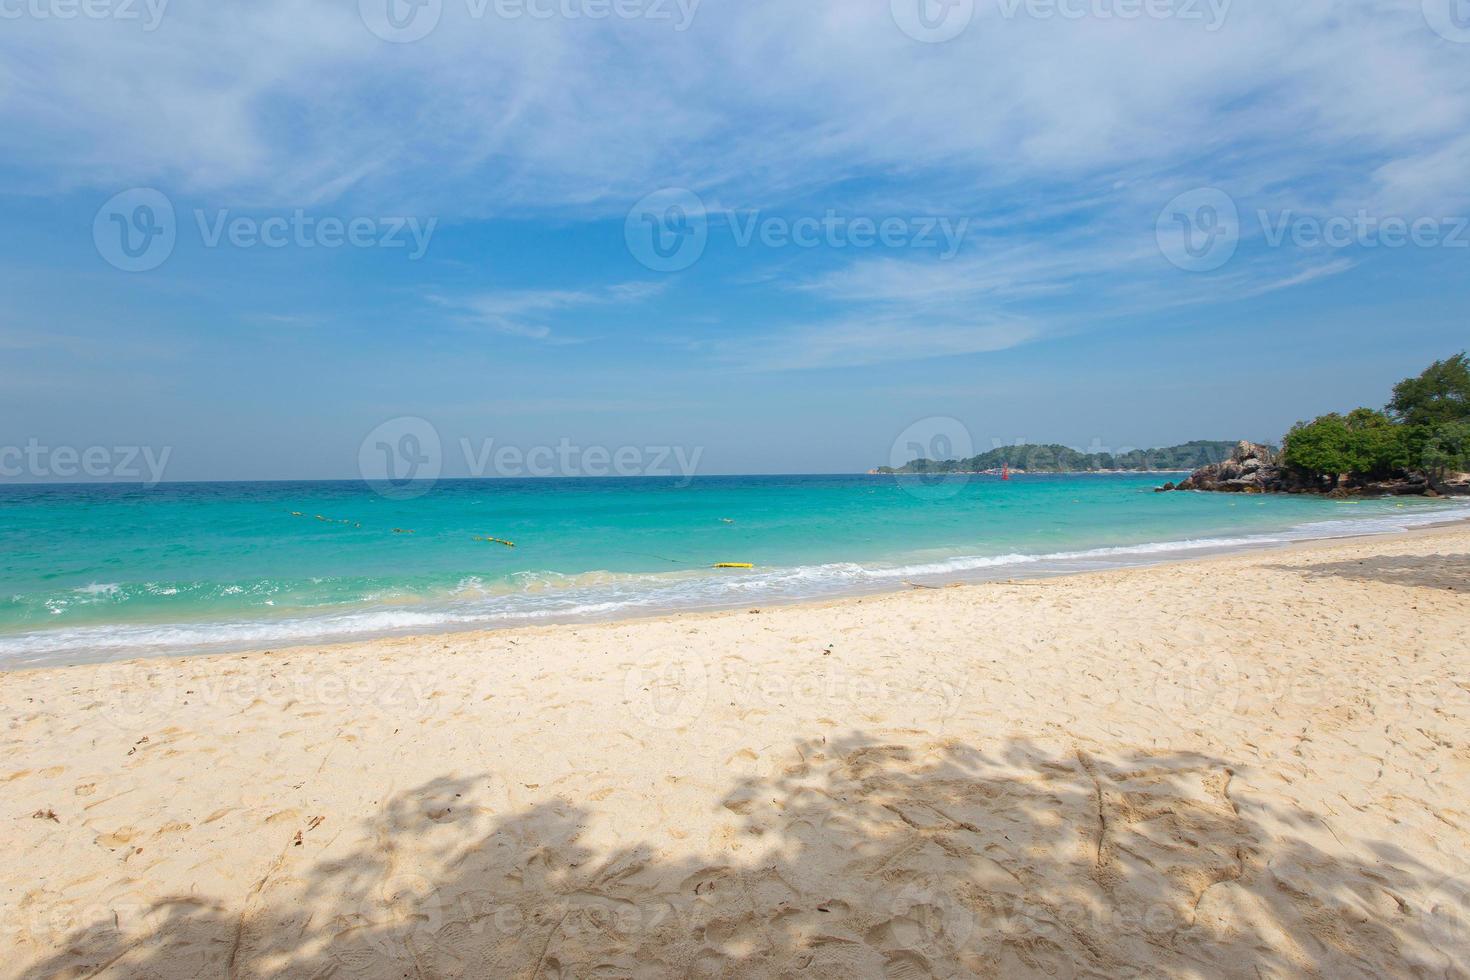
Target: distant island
<point x="1063" y="459"/>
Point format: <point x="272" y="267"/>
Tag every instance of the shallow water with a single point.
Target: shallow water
<point x="104" y="572"/>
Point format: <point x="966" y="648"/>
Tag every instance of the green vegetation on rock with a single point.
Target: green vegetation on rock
<point x="1448" y="450"/>
<point x="1438" y="396"/>
<point x="1426" y="428"/>
<point x="1365" y="443"/>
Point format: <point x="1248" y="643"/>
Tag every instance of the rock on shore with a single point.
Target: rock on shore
<point x="1251" y="468"/>
<point x="1255" y="468"/>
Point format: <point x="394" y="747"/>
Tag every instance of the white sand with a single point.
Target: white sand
<point x="1251" y="766"/>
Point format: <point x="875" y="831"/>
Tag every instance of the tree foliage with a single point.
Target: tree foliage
<point x="1426" y="426"/>
<point x="1439" y="395"/>
<point x="1365" y="443"/>
<point x="1448" y="449"/>
<point x="1318" y="447"/>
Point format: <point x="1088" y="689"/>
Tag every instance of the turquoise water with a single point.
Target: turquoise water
<point x="102" y="572"/>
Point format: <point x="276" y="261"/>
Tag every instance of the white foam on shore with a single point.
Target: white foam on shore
<point x="551" y="597"/>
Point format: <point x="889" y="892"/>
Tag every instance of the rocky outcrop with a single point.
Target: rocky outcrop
<point x="1254" y="468"/>
<point x="1414" y="484"/>
<point x="1251" y="468"/>
<point x="1452" y="485"/>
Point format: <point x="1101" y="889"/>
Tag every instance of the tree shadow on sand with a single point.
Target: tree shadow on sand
<point x="1449" y="572"/>
<point x="852" y="858"/>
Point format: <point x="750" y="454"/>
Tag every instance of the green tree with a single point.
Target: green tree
<point x="1441" y="394"/>
<point x="1376" y="444"/>
<point x="1318" y="447"/>
<point x="1447" y="450"/>
<point x="1365" y="443"/>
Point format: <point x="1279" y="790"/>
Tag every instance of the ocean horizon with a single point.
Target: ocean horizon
<point x="99" y="572"/>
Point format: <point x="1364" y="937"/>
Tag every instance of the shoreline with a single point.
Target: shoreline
<point x="1024" y="572"/>
<point x="1031" y="473"/>
<point x="1230" y="764"/>
<point x="294" y="582"/>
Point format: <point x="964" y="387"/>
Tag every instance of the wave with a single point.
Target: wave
<point x="539" y="597"/>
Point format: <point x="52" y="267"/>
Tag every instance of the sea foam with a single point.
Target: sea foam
<point x="539" y="597"/>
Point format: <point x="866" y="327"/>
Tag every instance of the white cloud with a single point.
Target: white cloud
<point x="1434" y="184"/>
<point x="1059" y="138"/>
<point x="282" y="103"/>
<point x="1326" y="270"/>
<point x="525" y="312"/>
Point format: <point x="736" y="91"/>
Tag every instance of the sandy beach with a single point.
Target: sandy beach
<point x="1250" y="766"/>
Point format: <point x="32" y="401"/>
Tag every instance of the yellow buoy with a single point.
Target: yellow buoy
<point x="734" y="564"/>
<point x="508" y="544"/>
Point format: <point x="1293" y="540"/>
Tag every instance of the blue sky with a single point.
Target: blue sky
<point x="1039" y="174"/>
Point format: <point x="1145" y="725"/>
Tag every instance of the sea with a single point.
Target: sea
<point x="92" y="573"/>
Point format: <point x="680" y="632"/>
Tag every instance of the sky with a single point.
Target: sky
<point x="265" y="239"/>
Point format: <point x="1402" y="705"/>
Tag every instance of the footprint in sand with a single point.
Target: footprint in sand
<point x="118" y="838"/>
